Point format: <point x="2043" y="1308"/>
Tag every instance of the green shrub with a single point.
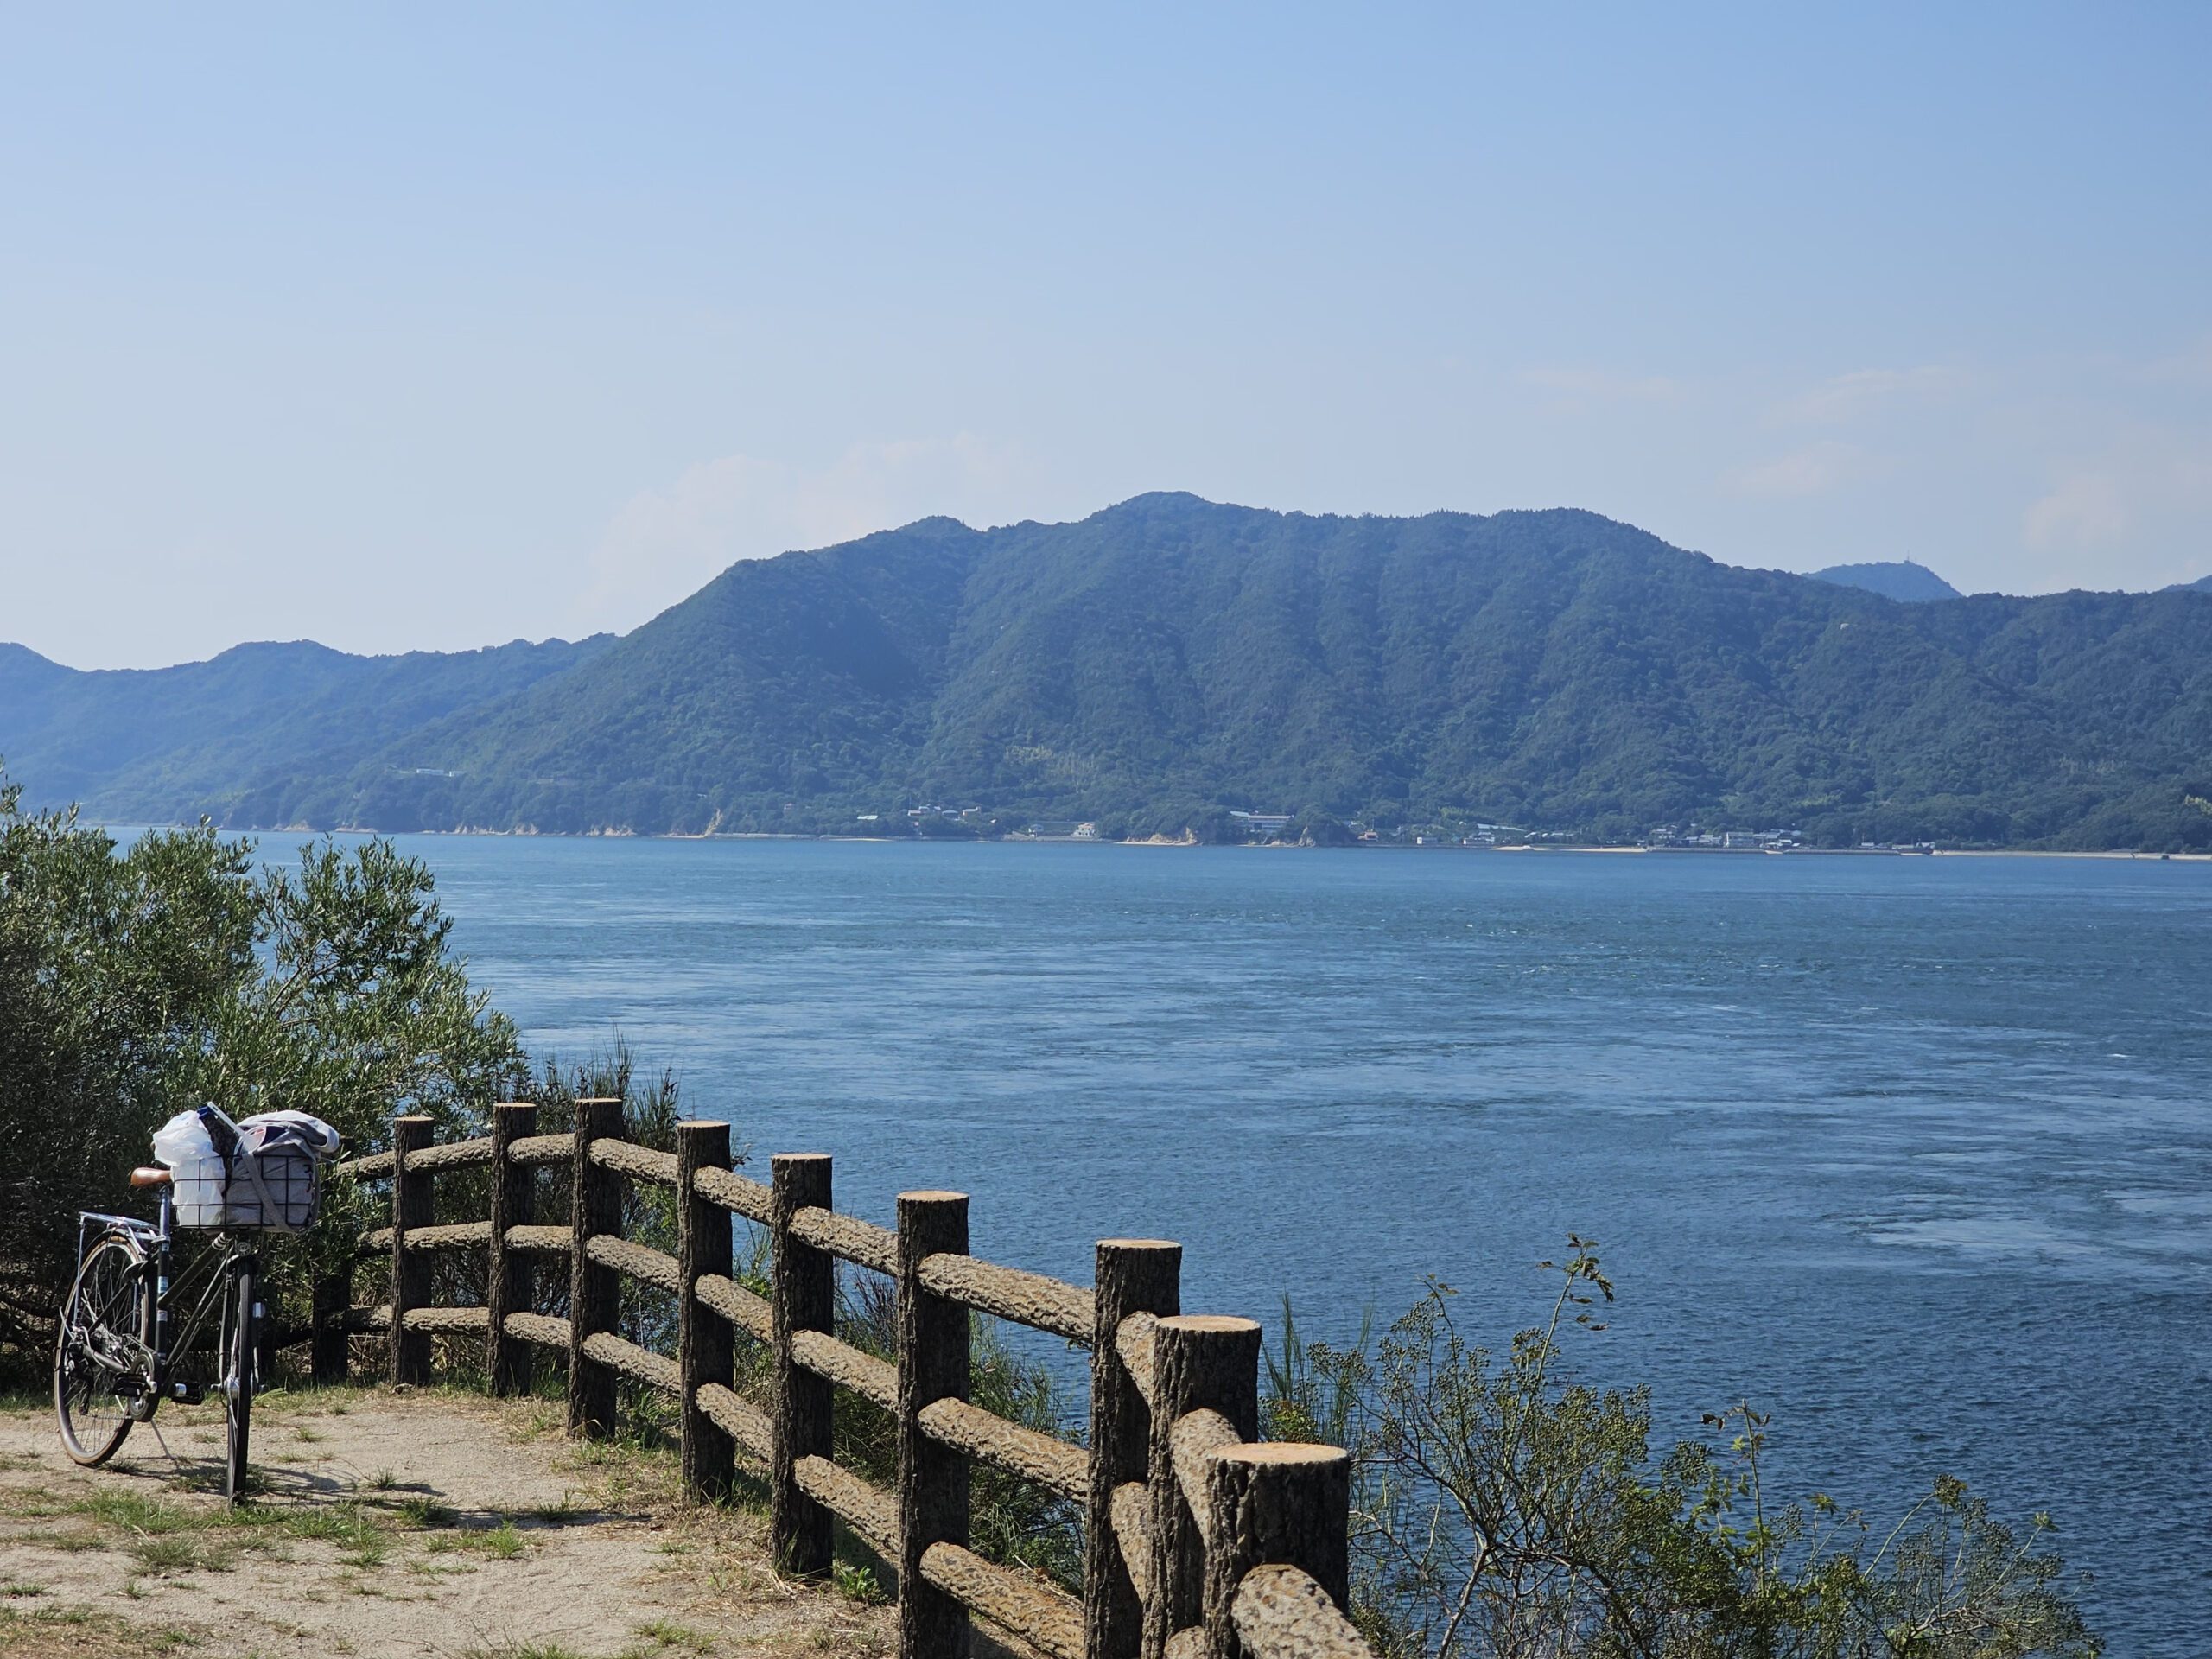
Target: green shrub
<point x="1503" y="1508"/>
<point x="139" y="982"/>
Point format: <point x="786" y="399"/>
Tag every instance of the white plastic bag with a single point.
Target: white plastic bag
<point x="182" y="1139"/>
<point x="199" y="1175"/>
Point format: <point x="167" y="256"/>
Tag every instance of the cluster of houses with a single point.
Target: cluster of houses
<point x="1269" y="826"/>
<point x="1729" y="839"/>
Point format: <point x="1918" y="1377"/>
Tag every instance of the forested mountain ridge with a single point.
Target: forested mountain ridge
<point x="1153" y="666"/>
<point x="170" y="743"/>
<point x="1898" y="579"/>
<point x="807" y="678"/>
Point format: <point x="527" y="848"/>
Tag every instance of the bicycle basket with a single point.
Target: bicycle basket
<point x="274" y="1190"/>
<point x="261" y="1176"/>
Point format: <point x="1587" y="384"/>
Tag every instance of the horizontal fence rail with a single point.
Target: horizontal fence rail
<point x="1200" y="1542"/>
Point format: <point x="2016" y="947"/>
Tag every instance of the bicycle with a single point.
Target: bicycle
<point x="118" y="1353"/>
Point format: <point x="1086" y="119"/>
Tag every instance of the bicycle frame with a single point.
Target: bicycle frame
<point x="205" y="1283"/>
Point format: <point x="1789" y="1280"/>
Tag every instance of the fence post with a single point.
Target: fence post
<point x="331" y="1354"/>
<point x="410" y="1269"/>
<point x="595" y="1291"/>
<point x="806" y="1298"/>
<point x="1133" y="1275"/>
<point x="704" y="1341"/>
<point x="1278" y="1503"/>
<point x="933" y="1365"/>
<point x="1199" y="1363"/>
<point x="508" y="1283"/>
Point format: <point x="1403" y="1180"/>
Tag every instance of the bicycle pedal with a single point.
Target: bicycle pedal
<point x="188" y="1394"/>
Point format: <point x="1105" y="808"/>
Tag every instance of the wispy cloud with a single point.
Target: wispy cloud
<point x="1814" y="470"/>
<point x="2153" y="484"/>
<point x="1865" y="391"/>
<point x="2086" y="510"/>
<point x="663" y="542"/>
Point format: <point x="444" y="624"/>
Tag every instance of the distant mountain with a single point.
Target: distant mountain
<point x="1155" y="665"/>
<point x="2202" y="585"/>
<point x="1898" y="579"/>
<point x="170" y="743"/>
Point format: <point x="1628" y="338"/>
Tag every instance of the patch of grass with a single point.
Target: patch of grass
<point x="19" y="1589"/>
<point x="156" y="1522"/>
<point x="155" y="1517"/>
<point x="66" y="1632"/>
<point x="347" y="1525"/>
<point x="53" y="1616"/>
<point x="169" y="1537"/>
<point x="383" y="1480"/>
<point x="311" y="1436"/>
<point x="502" y="1543"/>
<point x="600" y="1454"/>
<point x="421" y="1514"/>
<point x="173" y="1553"/>
<point x="856" y="1583"/>
<point x="667" y="1633"/>
<point x="70" y="1543"/>
<point x="527" y="1651"/>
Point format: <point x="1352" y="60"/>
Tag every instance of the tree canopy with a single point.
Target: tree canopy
<point x="139" y="981"/>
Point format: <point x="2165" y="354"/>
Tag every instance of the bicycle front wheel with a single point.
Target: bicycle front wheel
<point x="238" y="1375"/>
<point x="96" y="1379"/>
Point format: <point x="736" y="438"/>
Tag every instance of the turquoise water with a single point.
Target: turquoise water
<point x="1913" y="1153"/>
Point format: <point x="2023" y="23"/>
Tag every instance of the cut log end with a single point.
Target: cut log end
<point x="1209" y="1322"/>
<point x="1277" y="1454"/>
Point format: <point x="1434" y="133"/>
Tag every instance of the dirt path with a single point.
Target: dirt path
<point x="440" y="1525"/>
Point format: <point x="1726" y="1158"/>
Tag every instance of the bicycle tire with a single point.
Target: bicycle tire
<point x="106" y="1297"/>
<point x="238" y="1381"/>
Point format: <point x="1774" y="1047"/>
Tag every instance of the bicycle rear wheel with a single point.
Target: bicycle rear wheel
<point x="239" y="1376"/>
<point x="95" y="1373"/>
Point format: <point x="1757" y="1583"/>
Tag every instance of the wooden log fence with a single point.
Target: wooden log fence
<point x="1200" y="1540"/>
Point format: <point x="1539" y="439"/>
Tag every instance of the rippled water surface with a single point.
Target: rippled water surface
<point x="1914" y="1152"/>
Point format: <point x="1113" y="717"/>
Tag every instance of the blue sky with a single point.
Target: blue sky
<point x="433" y="327"/>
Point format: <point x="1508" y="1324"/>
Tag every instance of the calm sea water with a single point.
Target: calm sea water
<point x="1915" y="1154"/>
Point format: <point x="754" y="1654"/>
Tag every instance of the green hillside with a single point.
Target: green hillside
<point x="1166" y="660"/>
<point x="170" y="743"/>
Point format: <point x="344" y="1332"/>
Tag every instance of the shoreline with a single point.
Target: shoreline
<point x="2121" y="853"/>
